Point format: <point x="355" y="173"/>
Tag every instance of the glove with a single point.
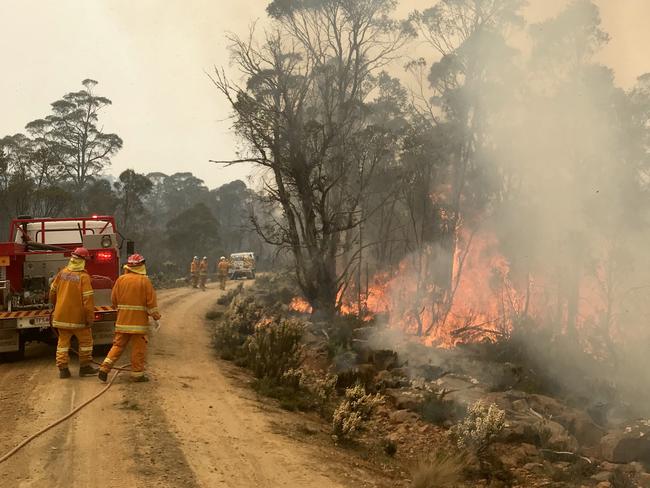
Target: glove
<point x="156" y="326"/>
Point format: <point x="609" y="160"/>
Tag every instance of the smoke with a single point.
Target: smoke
<point x="557" y="187"/>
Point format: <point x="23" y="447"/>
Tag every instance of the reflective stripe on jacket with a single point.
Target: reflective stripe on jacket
<point x="72" y="295"/>
<point x="135" y="299"/>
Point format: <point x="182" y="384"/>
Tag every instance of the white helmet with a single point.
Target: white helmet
<point x="223" y="257"/>
<point x="205" y="257"/>
<point x="196" y="257"/>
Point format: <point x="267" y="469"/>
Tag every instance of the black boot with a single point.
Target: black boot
<point x="140" y="379"/>
<point x="64" y="373"/>
<point x="88" y="370"/>
<point x="102" y="375"/>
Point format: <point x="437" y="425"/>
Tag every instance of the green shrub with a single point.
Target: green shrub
<point x="236" y="325"/>
<point x="321" y="389"/>
<point x="213" y="315"/>
<point x="356" y="407"/>
<point x="274" y="348"/>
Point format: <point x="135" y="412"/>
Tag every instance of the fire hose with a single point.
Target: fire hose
<point x="64" y="418"/>
<point x="75" y="410"/>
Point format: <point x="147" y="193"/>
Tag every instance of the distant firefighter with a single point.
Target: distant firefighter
<point x="222" y="272"/>
<point x="203" y="272"/>
<point x="194" y="271"/>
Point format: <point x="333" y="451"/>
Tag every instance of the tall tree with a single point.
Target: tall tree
<point x="303" y="116"/>
<point x="131" y="189"/>
<point x="73" y="135"/>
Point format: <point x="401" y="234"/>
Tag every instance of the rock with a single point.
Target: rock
<point x="404" y="398"/>
<point x="462" y="390"/>
<point x="428" y="372"/>
<point x="520" y="405"/>
<point x="632" y="444"/>
<point x="401" y="416"/>
<point x="534" y="467"/>
<point x="604" y="484"/>
<point x="602" y="476"/>
<point x="581" y="426"/>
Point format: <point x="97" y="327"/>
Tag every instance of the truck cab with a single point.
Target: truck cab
<point x="29" y="261"/>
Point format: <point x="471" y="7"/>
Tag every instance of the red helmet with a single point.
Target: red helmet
<point x="135" y="260"/>
<point x="81" y="253"/>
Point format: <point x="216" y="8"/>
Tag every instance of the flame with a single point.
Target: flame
<point x="481" y="301"/>
<point x="300" y="305"/>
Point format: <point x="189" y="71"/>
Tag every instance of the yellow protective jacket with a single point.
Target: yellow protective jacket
<point x="222" y="268"/>
<point x="203" y="268"/>
<point x="194" y="267"/>
<point x="72" y="295"/>
<point x="135" y="299"/>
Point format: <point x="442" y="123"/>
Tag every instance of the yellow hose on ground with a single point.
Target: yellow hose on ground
<point x="64" y="418"/>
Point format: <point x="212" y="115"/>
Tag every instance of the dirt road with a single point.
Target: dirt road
<point x="193" y="425"/>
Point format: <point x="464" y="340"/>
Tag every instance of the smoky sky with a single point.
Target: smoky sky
<point x="150" y="58"/>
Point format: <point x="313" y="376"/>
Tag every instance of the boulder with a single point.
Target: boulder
<point x="626" y="446"/>
<point x="405" y="398"/>
<point x="401" y="416"/>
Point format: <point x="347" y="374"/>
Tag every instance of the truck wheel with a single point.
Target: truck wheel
<point x="19" y="355"/>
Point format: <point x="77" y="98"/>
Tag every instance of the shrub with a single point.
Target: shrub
<point x="321" y="389"/>
<point x="443" y="469"/>
<point x="437" y="409"/>
<point x="227" y="340"/>
<point x="213" y="314"/>
<point x="238" y="323"/>
<point x="479" y="428"/>
<point x="274" y="348"/>
<point x="355" y="408"/>
<point x="227" y="298"/>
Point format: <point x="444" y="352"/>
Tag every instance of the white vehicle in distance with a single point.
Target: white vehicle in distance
<point x="242" y="264"/>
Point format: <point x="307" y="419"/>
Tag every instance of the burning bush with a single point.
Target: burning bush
<point x="274" y="348"/>
<point x="356" y="407"/>
<point x="482" y="424"/>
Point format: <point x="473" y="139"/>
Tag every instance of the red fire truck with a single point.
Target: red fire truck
<point x="36" y="251"/>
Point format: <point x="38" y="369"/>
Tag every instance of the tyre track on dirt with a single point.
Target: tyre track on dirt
<point x="190" y="427"/>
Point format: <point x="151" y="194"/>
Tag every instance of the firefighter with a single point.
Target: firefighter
<point x="194" y="270"/>
<point x="222" y="272"/>
<point x="135" y="299"/>
<point x="71" y="293"/>
<point x="203" y="272"/>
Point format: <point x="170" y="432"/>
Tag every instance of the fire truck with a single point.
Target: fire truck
<point x="36" y="251"/>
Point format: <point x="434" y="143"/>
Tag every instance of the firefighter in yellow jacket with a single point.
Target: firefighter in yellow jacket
<point x="194" y="271"/>
<point x="135" y="299"/>
<point x="222" y="272"/>
<point x="74" y="313"/>
<point x="203" y="272"/>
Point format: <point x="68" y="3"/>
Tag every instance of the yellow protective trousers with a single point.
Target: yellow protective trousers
<point x="138" y="352"/>
<point x="84" y="337"/>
